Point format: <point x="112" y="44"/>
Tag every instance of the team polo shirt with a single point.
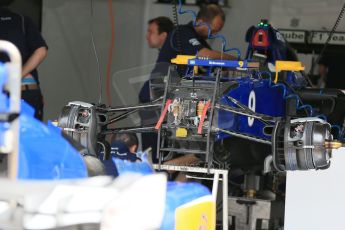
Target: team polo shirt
<point x="190" y="43"/>
<point x="21" y="31"/>
<point x="119" y="150"/>
<point x="189" y="40"/>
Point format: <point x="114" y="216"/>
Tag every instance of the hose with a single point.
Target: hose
<point x="300" y="105"/>
<point x="210" y="36"/>
<point x="96" y="56"/>
<point x="335" y="26"/>
<point x="111" y="48"/>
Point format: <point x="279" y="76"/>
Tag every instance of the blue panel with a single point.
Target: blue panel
<point x="267" y="100"/>
<point x="179" y="194"/>
<point x="218" y="63"/>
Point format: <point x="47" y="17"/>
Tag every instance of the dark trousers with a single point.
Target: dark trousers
<point x="34" y="98"/>
<point x="150" y="140"/>
<point x="149" y="118"/>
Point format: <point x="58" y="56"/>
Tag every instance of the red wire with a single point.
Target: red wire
<point x="111" y="48"/>
<point x="161" y="118"/>
<point x="202" y="119"/>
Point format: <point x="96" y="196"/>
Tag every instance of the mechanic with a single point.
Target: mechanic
<point x="21" y="31"/>
<point x="188" y="40"/>
<point x="322" y="68"/>
<point x="123" y="146"/>
<point x="192" y="40"/>
<point x="157" y="32"/>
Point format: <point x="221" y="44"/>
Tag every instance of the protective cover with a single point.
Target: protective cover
<point x="43" y="152"/>
<point x="179" y="194"/>
<point x="124" y="167"/>
<point x="187" y="198"/>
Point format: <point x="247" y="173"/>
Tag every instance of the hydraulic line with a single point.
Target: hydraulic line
<point x="111" y="48"/>
<point x="210" y="35"/>
<point x="96" y="56"/>
<point x="300" y="105"/>
<point x="335" y="26"/>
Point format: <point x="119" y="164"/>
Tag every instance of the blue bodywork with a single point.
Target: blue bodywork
<point x="258" y="92"/>
<point x="43" y="153"/>
<point x="255" y="90"/>
<point x="177" y="194"/>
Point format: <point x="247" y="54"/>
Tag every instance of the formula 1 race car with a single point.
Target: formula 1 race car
<point x="256" y="117"/>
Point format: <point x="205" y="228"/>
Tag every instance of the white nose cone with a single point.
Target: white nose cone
<point x="140" y="206"/>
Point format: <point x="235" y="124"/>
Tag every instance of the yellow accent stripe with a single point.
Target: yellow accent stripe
<point x="182" y="59"/>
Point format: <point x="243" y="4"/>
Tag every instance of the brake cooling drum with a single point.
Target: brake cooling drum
<point x="300" y="145"/>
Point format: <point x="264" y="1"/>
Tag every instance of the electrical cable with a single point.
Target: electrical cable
<point x="96" y="56"/>
<point x="335" y="26"/>
<point x="177" y="32"/>
<point x="176" y="23"/>
<point x="111" y="48"/>
<point x="299" y="103"/>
